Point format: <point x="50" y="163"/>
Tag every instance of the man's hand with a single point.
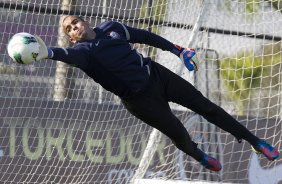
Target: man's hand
<point x="188" y="56"/>
<point x="44" y="52"/>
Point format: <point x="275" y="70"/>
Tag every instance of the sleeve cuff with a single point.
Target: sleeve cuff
<point x="50" y="53"/>
<point x="177" y="50"/>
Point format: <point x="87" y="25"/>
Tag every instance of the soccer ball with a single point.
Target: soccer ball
<point x="23" y="48"/>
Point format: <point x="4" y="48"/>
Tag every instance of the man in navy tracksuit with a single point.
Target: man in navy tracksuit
<point x="144" y="86"/>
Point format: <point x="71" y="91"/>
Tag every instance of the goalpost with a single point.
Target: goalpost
<point x="59" y="126"/>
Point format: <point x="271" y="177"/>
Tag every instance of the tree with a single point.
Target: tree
<point x="249" y="71"/>
<point x="153" y="10"/>
<point x="253" y="5"/>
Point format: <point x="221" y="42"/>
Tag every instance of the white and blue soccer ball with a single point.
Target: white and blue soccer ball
<point x="23" y="48"/>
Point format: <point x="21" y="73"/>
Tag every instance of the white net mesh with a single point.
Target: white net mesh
<point x="58" y="126"/>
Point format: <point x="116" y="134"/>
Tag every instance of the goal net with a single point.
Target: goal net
<point x="59" y="126"/>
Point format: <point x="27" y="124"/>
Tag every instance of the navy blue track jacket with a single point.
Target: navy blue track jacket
<point x="110" y="60"/>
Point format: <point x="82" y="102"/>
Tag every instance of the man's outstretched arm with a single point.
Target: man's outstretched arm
<point x="145" y="37"/>
<point x="68" y="55"/>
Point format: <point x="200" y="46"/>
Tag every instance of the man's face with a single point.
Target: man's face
<point x="76" y="29"/>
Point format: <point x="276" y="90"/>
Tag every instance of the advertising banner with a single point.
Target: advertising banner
<point x="70" y="142"/>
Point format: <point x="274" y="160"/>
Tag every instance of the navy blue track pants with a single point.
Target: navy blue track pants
<point x="151" y="106"/>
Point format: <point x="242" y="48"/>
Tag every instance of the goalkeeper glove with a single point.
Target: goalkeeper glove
<point x="188" y="56"/>
<point x="44" y="52"/>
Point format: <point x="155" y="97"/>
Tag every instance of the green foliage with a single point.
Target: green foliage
<point x="248" y="71"/>
<point x="252" y="6"/>
<point x="277" y="4"/>
<point x="154" y="13"/>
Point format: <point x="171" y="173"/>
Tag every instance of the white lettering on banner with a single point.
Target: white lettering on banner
<point x="259" y="175"/>
<point x="46" y="144"/>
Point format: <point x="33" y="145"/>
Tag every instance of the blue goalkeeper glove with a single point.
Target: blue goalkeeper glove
<point x="188" y="56"/>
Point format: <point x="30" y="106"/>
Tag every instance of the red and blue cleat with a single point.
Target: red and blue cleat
<point x="268" y="151"/>
<point x="210" y="163"/>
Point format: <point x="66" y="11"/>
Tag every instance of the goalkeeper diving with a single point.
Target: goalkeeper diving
<point x="145" y="87"/>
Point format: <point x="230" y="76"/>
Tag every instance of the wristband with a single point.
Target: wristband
<point x="50" y="53"/>
<point x="177" y="50"/>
